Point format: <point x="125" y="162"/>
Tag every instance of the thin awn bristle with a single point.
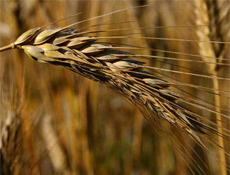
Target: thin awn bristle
<point x="133" y="47"/>
<point x="130" y="35"/>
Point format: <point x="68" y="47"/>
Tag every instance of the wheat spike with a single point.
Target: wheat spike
<point x="207" y="13"/>
<point x="103" y="63"/>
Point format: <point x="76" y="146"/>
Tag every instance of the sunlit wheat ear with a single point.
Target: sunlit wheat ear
<point x="208" y="12"/>
<point x="102" y="62"/>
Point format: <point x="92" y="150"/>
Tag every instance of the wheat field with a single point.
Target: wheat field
<point x="133" y="87"/>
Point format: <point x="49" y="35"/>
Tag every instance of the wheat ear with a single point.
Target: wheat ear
<point x="103" y="63"/>
<point x="205" y="15"/>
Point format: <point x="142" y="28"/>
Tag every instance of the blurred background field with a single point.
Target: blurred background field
<point x="56" y="122"/>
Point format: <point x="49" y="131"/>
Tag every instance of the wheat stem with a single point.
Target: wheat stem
<point x="219" y="126"/>
<point x="8" y="47"/>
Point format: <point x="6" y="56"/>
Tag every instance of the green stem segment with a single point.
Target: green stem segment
<point x="8" y="47"/>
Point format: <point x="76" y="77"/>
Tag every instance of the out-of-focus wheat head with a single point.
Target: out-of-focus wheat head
<point x="56" y="122"/>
